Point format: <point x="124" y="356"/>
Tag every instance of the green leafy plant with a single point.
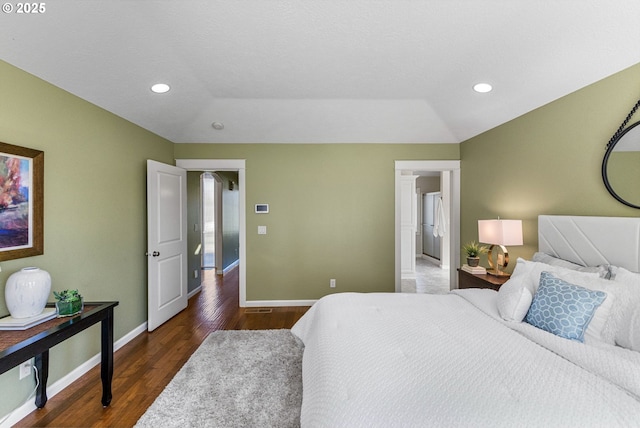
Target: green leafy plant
<point x="473" y="249"/>
<point x="67" y="296"/>
<point x="69" y="302"/>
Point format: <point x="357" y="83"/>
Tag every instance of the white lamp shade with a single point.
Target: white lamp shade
<point x="500" y="232"/>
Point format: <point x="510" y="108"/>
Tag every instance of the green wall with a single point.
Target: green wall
<point x="547" y="161"/>
<point x="94" y="209"/>
<point x="331" y="213"/>
<point x="194" y="237"/>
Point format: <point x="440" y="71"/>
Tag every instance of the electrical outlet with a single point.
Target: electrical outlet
<point x="332" y="283"/>
<point x="25" y="369"/>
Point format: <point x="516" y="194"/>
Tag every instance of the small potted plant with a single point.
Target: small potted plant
<point x="68" y="302"/>
<point x="473" y="251"/>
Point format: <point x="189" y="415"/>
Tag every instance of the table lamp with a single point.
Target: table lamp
<point x="499" y="233"/>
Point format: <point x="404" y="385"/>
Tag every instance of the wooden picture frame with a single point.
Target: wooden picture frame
<point x="21" y="202"/>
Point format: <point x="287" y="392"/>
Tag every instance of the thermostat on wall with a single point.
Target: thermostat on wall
<point x="262" y="208"/>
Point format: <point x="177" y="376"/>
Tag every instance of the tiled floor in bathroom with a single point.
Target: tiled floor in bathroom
<point x="430" y="278"/>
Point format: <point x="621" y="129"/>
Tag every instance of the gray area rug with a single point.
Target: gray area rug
<point x="236" y="378"/>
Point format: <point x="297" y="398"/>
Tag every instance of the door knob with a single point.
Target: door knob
<point x="155" y="254"/>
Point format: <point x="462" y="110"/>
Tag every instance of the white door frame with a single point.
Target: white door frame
<point x="453" y="166"/>
<point x="229" y="165"/>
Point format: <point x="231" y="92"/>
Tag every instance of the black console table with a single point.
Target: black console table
<point x="19" y="346"/>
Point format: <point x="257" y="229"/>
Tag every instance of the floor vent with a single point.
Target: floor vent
<point x="258" y="311"/>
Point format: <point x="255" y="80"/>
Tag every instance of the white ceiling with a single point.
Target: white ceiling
<point x="326" y="71"/>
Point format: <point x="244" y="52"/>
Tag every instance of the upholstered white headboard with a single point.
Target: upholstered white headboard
<point x="591" y="241"/>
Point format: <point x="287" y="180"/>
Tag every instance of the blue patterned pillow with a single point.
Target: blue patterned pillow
<point x="563" y="309"/>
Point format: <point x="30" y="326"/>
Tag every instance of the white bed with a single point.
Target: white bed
<point x="384" y="359"/>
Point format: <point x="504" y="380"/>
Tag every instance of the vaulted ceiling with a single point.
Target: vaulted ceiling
<point x="322" y="71"/>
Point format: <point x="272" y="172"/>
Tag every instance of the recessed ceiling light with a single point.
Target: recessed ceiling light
<point x="482" y="87"/>
<point x="160" y="88"/>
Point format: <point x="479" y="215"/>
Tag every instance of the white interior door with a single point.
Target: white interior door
<point x="408" y="225"/>
<point x="166" y="242"/>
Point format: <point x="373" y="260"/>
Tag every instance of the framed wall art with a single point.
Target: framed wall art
<point x="21" y="202"/>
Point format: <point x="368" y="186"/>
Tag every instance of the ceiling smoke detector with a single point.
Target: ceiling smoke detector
<point x="217" y="126"/>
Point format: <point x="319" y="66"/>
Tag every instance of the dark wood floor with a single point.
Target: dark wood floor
<point x="145" y="365"/>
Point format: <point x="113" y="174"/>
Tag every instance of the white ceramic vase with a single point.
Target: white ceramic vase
<point x="27" y="291"/>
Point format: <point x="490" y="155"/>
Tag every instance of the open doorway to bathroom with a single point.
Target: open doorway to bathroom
<point x="425" y="262"/>
<point x="431" y="269"/>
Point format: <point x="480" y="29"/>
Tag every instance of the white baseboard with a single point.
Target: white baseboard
<point x="194" y="291"/>
<point x="29" y="406"/>
<point x="432" y="259"/>
<point x="231" y="267"/>
<point x="272" y="303"/>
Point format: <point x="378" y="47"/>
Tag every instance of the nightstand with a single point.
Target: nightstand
<point x="469" y="280"/>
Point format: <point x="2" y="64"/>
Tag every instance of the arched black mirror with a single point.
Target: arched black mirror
<point x="621" y="166"/>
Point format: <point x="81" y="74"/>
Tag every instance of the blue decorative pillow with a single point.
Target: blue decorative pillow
<point x="563" y="309"/>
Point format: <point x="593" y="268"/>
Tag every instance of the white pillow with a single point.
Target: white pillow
<point x="512" y="298"/>
<point x="602" y="270"/>
<point x="513" y="301"/>
<point x="515" y="295"/>
<point x="629" y="334"/>
<point x="520" y="276"/>
<point x="627" y="312"/>
<point x="528" y="273"/>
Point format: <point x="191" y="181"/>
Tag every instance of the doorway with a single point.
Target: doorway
<point x="237" y="165"/>
<point x="449" y="173"/>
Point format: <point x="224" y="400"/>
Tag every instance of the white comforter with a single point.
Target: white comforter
<point x="409" y="360"/>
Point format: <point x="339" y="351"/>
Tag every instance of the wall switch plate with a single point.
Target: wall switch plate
<point x="262" y="230"/>
<point x="195" y="273"/>
<point x="25" y="369"/>
<point x="332" y="283"/>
